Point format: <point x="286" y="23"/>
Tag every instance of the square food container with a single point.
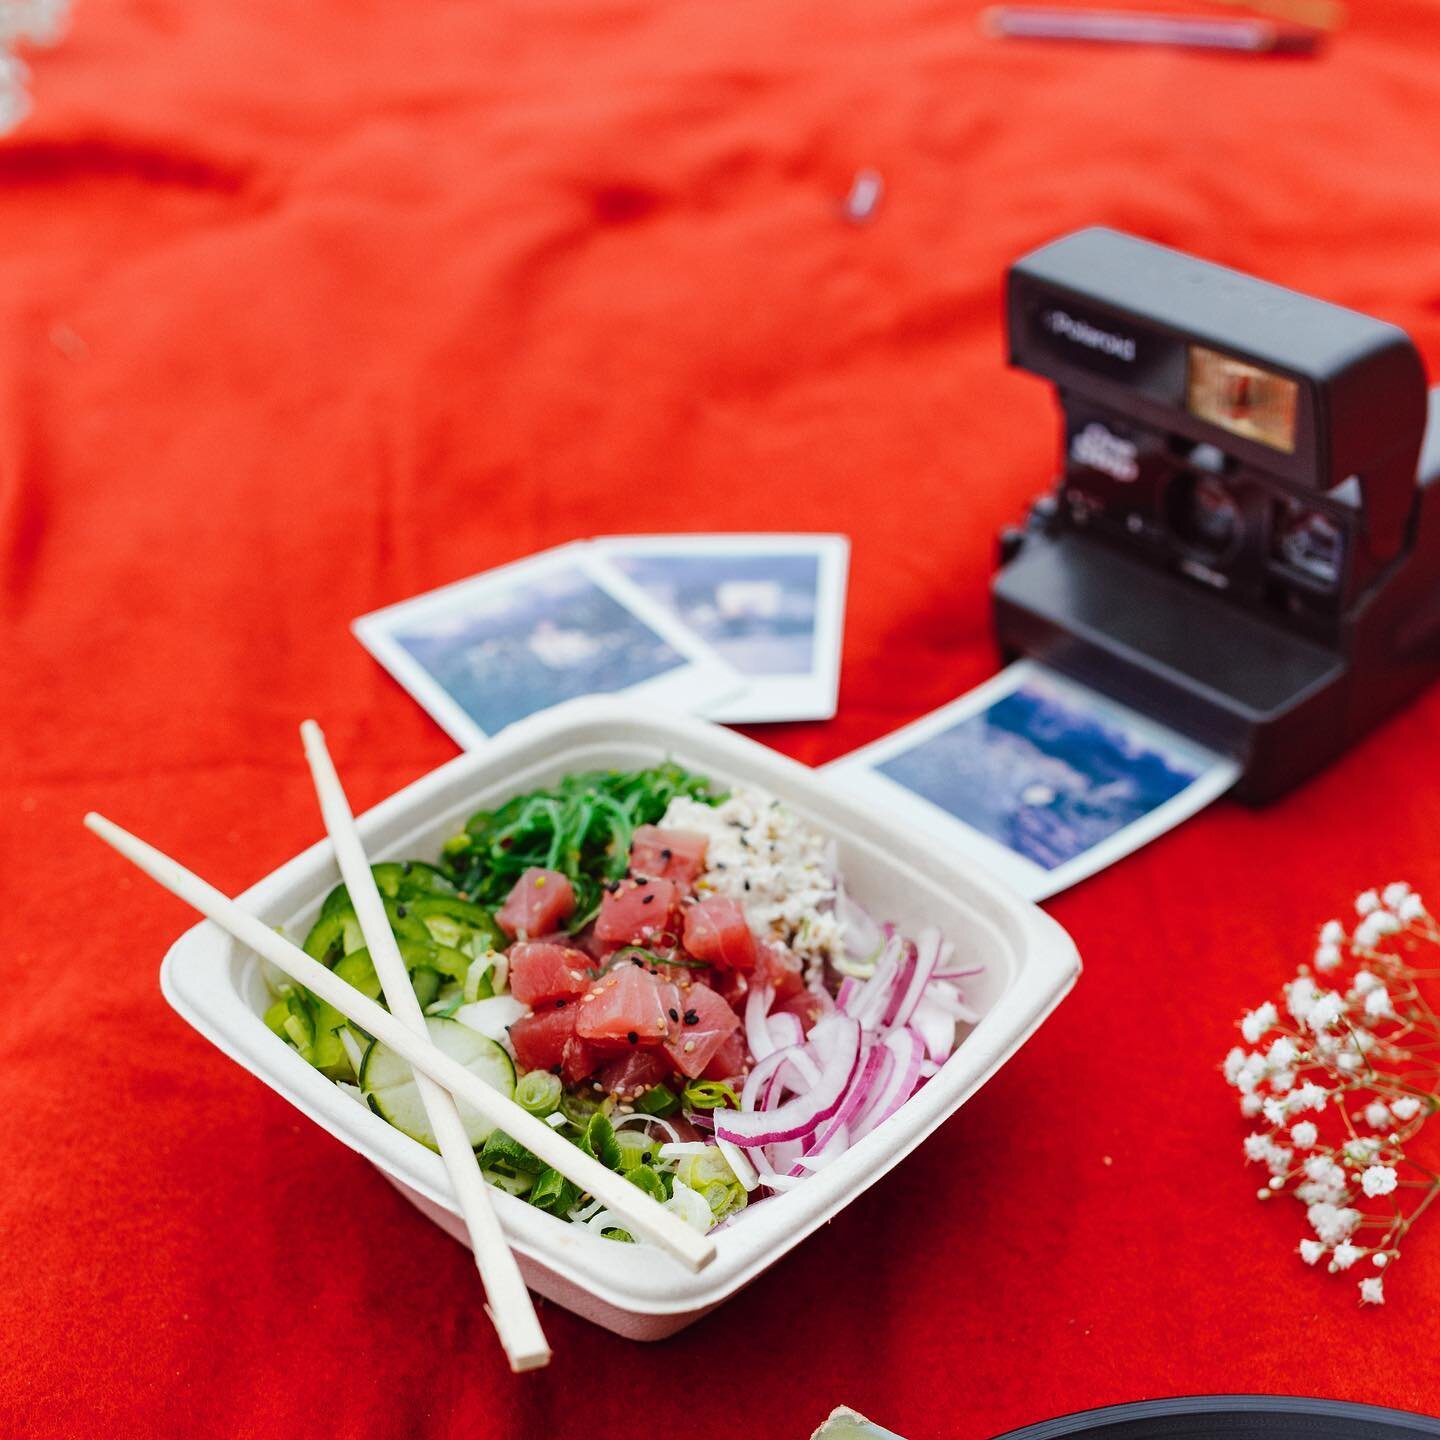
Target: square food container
<point x="637" y="1290"/>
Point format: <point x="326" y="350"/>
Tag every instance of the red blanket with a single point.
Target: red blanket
<point x="307" y="307"/>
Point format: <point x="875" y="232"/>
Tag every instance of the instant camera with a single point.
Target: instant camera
<point x="1244" y="541"/>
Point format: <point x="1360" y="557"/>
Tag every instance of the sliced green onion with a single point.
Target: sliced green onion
<point x="659" y="1100"/>
<point x="636" y="1148"/>
<point x="538" y="1092"/>
<point x="708" y="1095"/>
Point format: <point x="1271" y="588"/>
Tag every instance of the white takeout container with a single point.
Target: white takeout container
<point x="637" y="1290"/>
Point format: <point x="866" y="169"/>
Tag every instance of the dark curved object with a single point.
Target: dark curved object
<point x="1235" y="1417"/>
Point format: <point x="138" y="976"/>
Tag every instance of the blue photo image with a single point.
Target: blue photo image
<point x="758" y="611"/>
<point x="515" y="649"/>
<point x="1048" y="772"/>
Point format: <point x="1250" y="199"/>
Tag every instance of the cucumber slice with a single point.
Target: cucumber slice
<point x="390" y="1090"/>
<point x="397" y="880"/>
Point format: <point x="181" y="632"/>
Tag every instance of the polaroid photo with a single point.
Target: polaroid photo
<point x="771" y="606"/>
<point x="484" y="652"/>
<point x="1038" y="778"/>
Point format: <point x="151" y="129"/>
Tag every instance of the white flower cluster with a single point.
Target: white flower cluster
<point x="37" y="22"/>
<point x="1322" y="1049"/>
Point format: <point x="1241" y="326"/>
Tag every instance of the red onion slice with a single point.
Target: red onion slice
<point x="836" y="1041"/>
<point x="927" y="956"/>
<point x="757" y="1033"/>
<point x="909" y="1054"/>
<point x="873" y="1066"/>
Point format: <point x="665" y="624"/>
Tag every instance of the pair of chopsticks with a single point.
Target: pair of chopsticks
<point x="440" y="1080"/>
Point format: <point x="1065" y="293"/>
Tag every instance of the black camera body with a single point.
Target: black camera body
<point x="1244" y="541"/>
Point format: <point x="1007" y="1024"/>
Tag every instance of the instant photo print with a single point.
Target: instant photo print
<point x="1244" y="540"/>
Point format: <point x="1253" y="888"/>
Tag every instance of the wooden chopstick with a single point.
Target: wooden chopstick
<point x="511" y="1310"/>
<point x="643" y="1216"/>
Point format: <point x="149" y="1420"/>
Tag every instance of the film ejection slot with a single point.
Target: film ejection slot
<point x="1243" y="541"/>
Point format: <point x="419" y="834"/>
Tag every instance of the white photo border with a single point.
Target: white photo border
<point x="701" y="680"/>
<point x="856" y="776"/>
<point x="769" y="698"/>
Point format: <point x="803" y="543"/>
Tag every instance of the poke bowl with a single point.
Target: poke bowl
<point x="921" y="938"/>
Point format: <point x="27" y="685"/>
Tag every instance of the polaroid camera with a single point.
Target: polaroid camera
<point x="1244" y="541"/>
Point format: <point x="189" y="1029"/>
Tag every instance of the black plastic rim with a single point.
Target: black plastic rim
<point x="1235" y="1417"/>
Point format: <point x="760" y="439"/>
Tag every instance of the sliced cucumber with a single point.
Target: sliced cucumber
<point x="396" y="880"/>
<point x="389" y="1085"/>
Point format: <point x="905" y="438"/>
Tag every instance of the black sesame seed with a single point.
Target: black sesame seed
<point x="406" y="867"/>
<point x="560" y="1004"/>
<point x="747" y="884"/>
<point x="401" y="911"/>
<point x="636" y="960"/>
<point x="647" y="899"/>
<point x="554" y="1069"/>
<point x="666" y="854"/>
<point x="642" y="881"/>
<point x="674" y="1014"/>
<point x="633" y="1038"/>
<point x="691" y="1018"/>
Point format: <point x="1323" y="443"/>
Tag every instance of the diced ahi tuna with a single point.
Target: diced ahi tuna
<point x="539" y="1039"/>
<point x="580" y="1061"/>
<point x="717" y="932"/>
<point x="807" y="1007"/>
<point x="729" y="1060"/>
<point x="633" y="1072"/>
<point x="541" y="972"/>
<point x="637" y="912"/>
<point x="540" y="903"/>
<point x="780" y="968"/>
<point x="677" y="855"/>
<point x="706" y="1023"/>
<point x="623" y="1008"/>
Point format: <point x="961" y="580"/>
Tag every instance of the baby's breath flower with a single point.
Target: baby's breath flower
<point x="1379" y="1180"/>
<point x="1257" y="1145"/>
<point x="1377" y="1115"/>
<point x="1411" y="909"/>
<point x="1366" y="981"/>
<point x="1372" y="1290"/>
<point x="1378" y="1003"/>
<point x="1304" y="1134"/>
<point x="1361" y="1150"/>
<point x="1332" y="932"/>
<point x="1395" y="893"/>
<point x="1345" y="1255"/>
<point x="1257" y="1022"/>
<point x="1250" y="1105"/>
<point x="1367" y="902"/>
<point x="1234" y="1064"/>
<point x="1407" y="1107"/>
<point x="1311" y="1251"/>
<point x="1327" y="958"/>
<point x="1325" y="1012"/>
<point x="1331" y="1222"/>
<point x="1281" y="1055"/>
<point x="1274" y="1110"/>
<point x="1309" y="1096"/>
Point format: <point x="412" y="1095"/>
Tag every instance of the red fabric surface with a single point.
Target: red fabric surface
<point x="305" y="308"/>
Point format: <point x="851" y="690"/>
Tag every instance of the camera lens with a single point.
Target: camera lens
<point x="1204" y="514"/>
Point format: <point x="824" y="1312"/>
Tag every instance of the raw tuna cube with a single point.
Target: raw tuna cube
<point x="539" y="1039"/>
<point x="780" y="968"/>
<point x="717" y="932"/>
<point x="807" y="1007"/>
<point x="541" y="972"/>
<point x="633" y="1072"/>
<point x="637" y="912"/>
<point x="541" y="902"/>
<point x="623" y="1008"/>
<point x="677" y="855"/>
<point x="706" y="1023"/>
<point x="581" y="1060"/>
<point x="729" y="1060"/>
